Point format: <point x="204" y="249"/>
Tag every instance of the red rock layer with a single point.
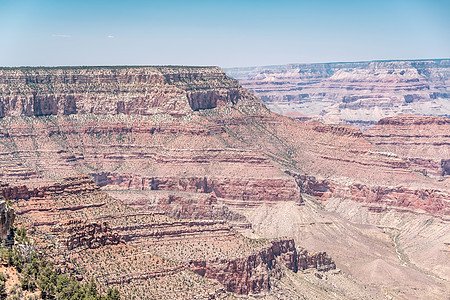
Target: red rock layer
<point x="70" y="185"/>
<point x="75" y="224"/>
<point x="251" y="191"/>
<point x="252" y="274"/>
<point x="314" y="260"/>
<point x="238" y="151"/>
<point x="429" y="200"/>
<point x="77" y="233"/>
<point x="114" y="90"/>
<point x="424" y="141"/>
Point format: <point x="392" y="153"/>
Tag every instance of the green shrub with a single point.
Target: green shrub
<point x="41" y="274"/>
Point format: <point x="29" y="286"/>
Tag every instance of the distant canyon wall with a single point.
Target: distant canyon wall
<point x="358" y="93"/>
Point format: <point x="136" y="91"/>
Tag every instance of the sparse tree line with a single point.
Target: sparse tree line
<point x="38" y="274"/>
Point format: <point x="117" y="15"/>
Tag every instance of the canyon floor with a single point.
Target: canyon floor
<point x="177" y="182"/>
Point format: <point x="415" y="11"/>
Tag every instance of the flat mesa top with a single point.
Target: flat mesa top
<point x="106" y="67"/>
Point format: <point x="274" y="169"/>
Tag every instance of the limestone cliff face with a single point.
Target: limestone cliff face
<point x="114" y="90"/>
<point x="360" y="93"/>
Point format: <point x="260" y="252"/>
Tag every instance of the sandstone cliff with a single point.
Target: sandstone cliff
<point x="114" y="90"/>
<point x="252" y="274"/>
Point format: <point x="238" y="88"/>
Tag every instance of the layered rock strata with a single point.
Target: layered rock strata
<point x="113" y="90"/>
<point x="238" y="151"/>
<point x="432" y="201"/>
<point x="76" y="224"/>
<point x="360" y="93"/>
<point x="423" y="141"/>
<point x="252" y="274"/>
<point x="187" y="160"/>
<point x="77" y="233"/>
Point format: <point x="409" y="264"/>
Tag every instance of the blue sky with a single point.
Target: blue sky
<point x="225" y="33"/>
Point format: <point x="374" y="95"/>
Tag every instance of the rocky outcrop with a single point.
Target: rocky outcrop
<point x="445" y="165"/>
<point x="430" y="200"/>
<point x="244" y="191"/>
<point x="7" y="217"/>
<point x="414" y="120"/>
<point x="78" y="233"/>
<point x="253" y="274"/>
<point x="314" y="260"/>
<point x="337" y="130"/>
<point x="312" y="186"/>
<point x="358" y="93"/>
<point x="202" y="206"/>
<point x="71" y="185"/>
<point x="177" y="230"/>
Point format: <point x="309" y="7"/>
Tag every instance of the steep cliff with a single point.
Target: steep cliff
<point x="114" y="90"/>
<point x="7" y="217"/>
<point x="252" y="274"/>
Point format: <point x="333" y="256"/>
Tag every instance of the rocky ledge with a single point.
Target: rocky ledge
<point x="78" y="233"/>
<point x="252" y="274"/>
<point x="114" y="90"/>
<point x="70" y="185"/>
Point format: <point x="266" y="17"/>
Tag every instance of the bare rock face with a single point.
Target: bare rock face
<point x="7" y="217"/>
<point x="423" y="141"/>
<point x="359" y="93"/>
<point x="71" y="185"/>
<point x="433" y="201"/>
<point x="121" y="90"/>
<point x="251" y="191"/>
<point x="445" y="165"/>
<point x="78" y="233"/>
<point x="314" y="260"/>
<point x="252" y="274"/>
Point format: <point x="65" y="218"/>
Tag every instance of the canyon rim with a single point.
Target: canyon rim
<point x="177" y="182"/>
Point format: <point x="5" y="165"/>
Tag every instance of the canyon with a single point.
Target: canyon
<point x="169" y="181"/>
<point x="358" y="93"/>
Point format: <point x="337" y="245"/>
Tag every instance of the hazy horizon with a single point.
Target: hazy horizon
<point x="231" y="34"/>
<point x="205" y="66"/>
